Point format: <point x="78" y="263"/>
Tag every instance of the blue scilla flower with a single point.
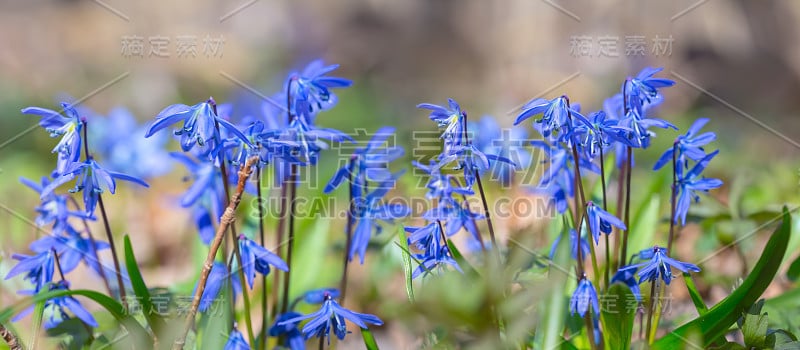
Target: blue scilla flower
<point x="308" y="140"/>
<point x="440" y="186"/>
<point x="256" y="258"/>
<point x="455" y="217"/>
<point x="293" y="339"/>
<point x="68" y="126"/>
<point x="370" y="216"/>
<point x="573" y="245"/>
<point x="450" y="118"/>
<point x="639" y="125"/>
<point x="310" y="90"/>
<point x="218" y="278"/>
<point x="120" y="141"/>
<point x="371" y="162"/>
<point x="422" y="237"/>
<point x="660" y="266"/>
<point x="38" y="269"/>
<point x="54" y="208"/>
<point x="584" y="297"/>
<point x="199" y="126"/>
<point x="690" y="184"/>
<point x="599" y="133"/>
<point x="601" y="221"/>
<point x="510" y="143"/>
<point x="236" y="341"/>
<point x="472" y="160"/>
<point x="332" y="316"/>
<point x="627" y="276"/>
<point x="689" y="145"/>
<point x="555" y="115"/>
<point x="435" y="258"/>
<point x="206" y="195"/>
<point x="92" y="179"/>
<point x="318" y="296"/>
<point x="644" y="88"/>
<point x="56" y="309"/>
<point x="72" y="248"/>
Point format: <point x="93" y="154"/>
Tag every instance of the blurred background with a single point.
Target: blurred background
<point x="735" y="62"/>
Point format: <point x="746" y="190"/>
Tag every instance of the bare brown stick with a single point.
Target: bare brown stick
<point x="224" y="222"/>
<point x="11" y="339"/>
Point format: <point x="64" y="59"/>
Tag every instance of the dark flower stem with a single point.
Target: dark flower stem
<point x="486" y="211"/>
<point x="290" y="243"/>
<point x="672" y="198"/>
<point x="107" y="226"/>
<point x="629" y="170"/>
<point x="605" y="207"/>
<point x="58" y="265"/>
<point x="279" y="244"/>
<point x="225" y="221"/>
<point x="619" y="260"/>
<point x="465" y="202"/>
<point x="245" y="297"/>
<point x="93" y="243"/>
<point x="262" y="240"/>
<point x="348" y="233"/>
<point x="651" y="307"/>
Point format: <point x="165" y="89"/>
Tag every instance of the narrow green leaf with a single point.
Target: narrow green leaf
<point x="38" y="316"/>
<point x="617" y="317"/>
<point x="552" y="307"/>
<point x="697" y="299"/>
<point x="407" y="269"/>
<point x="134" y="329"/>
<point x="716" y="321"/>
<point x="140" y="288"/>
<point x="369" y="340"/>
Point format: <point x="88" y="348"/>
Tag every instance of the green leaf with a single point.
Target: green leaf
<point x="38" y="315"/>
<point x="369" y="340"/>
<point x="407" y="269"/>
<point x="644" y="225"/>
<point x="716" y="321"/>
<point x="794" y="270"/>
<point x="795" y="345"/>
<point x="462" y="262"/>
<point x="697" y="299"/>
<point x="552" y="307"/>
<point x="617" y="317"/>
<point x="135" y="330"/>
<point x="754" y="330"/>
<point x="140" y="288"/>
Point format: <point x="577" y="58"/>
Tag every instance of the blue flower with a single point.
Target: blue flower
<point x="120" y="141"/>
<point x="69" y="126"/>
<point x="236" y="341"/>
<point x="439" y="185"/>
<point x="627" y="276"/>
<point x="422" y="237"/>
<point x="643" y="89"/>
<point x="369" y="163"/>
<point x="584" y="297"/>
<point x="660" y="266"/>
<point x="257" y="258"/>
<point x="56" y="309"/>
<point x="436" y="256"/>
<point x="206" y="195"/>
<point x="293" y="339"/>
<point x="199" y="126"/>
<point x="573" y="245"/>
<point x="455" y="217"/>
<point x="318" y="296"/>
<point x="38" y="268"/>
<point x="471" y="160"/>
<point x="306" y="139"/>
<point x="369" y="215"/>
<point x="332" y="316"/>
<point x="53" y="208"/>
<point x="489" y="138"/>
<point x="689" y="145"/>
<point x="71" y="248"/>
<point x="451" y="118"/>
<point x="310" y="91"/>
<point x="218" y="278"/>
<point x="688" y="185"/>
<point x="555" y="115"/>
<point x="599" y="133"/>
<point x="600" y="221"/>
<point x="93" y="180"/>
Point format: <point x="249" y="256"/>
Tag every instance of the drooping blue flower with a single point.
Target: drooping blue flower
<point x="690" y="184"/>
<point x="455" y="217"/>
<point x="422" y="237"/>
<point x="199" y="126"/>
<point x="53" y="208"/>
<point x="120" y="141"/>
<point x="72" y="248"/>
<point x="601" y="221"/>
<point x="310" y="91"/>
<point x="206" y="195"/>
<point x="660" y="266"/>
<point x="318" y="296"/>
<point x="435" y="258"/>
<point x="643" y="89"/>
<point x="38" y="269"/>
<point x="369" y="163"/>
<point x="584" y="297"/>
<point x="92" y="179"/>
<point x="307" y="141"/>
<point x="440" y="186"/>
<point x="689" y="145"/>
<point x="555" y="115"/>
<point x="218" y="278"/>
<point x="256" y="258"/>
<point x="69" y="127"/>
<point x="599" y="133"/>
<point x="471" y="160"/>
<point x="558" y="180"/>
<point x="451" y="119"/>
<point x="627" y="276"/>
<point x="236" y="341"/>
<point x="332" y="316"/>
<point x="56" y="309"/>
<point x="573" y="245"/>
<point x="370" y="216"/>
<point x="293" y="339"/>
